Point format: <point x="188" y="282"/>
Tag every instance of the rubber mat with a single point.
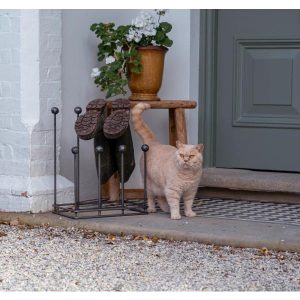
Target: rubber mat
<point x="246" y="210"/>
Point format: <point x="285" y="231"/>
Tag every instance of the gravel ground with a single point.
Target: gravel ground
<point x="53" y="259"/>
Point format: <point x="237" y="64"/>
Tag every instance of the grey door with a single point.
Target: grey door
<point x="258" y="90"/>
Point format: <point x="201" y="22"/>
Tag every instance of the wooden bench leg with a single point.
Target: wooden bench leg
<point x="172" y="127"/>
<point x="180" y="125"/>
<point x="111" y="189"/>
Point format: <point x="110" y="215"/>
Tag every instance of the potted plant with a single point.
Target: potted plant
<point x="134" y="56"/>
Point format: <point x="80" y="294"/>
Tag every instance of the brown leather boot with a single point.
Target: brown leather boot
<point x="117" y="122"/>
<point x="88" y="124"/>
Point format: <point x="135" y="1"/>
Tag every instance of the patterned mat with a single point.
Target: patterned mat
<point x="247" y="210"/>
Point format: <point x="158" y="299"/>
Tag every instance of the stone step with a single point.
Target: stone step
<point x="251" y="185"/>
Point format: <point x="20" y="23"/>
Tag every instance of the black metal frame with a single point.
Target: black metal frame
<point x="100" y="207"/>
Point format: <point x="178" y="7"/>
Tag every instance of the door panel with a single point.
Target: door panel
<point x="258" y="89"/>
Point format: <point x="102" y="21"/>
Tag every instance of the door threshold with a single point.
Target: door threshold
<point x="250" y="185"/>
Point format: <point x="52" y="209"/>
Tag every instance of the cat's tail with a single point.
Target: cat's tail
<point x="140" y="126"/>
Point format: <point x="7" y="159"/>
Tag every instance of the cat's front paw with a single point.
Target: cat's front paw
<point x="151" y="209"/>
<point x="175" y="216"/>
<point x="190" y="214"/>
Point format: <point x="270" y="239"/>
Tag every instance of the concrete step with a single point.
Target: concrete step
<point x="251" y="185"/>
<point x="214" y="231"/>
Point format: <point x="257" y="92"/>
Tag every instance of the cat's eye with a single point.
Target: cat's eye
<point x="181" y="155"/>
<point x="192" y="155"/>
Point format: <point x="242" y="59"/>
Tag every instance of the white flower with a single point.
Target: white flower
<point x="109" y="60"/>
<point x="149" y="30"/>
<point x="138" y="22"/>
<point x="137" y="38"/>
<point x="145" y="25"/>
<point x="145" y="18"/>
<point x="134" y="34"/>
<point x="130" y="35"/>
<point x="148" y="33"/>
<point x="146" y="15"/>
<point x="153" y="32"/>
<point x="95" y="72"/>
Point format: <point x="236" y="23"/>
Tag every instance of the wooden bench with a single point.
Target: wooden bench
<point x="177" y="131"/>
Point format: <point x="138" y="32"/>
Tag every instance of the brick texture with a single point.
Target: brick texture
<point x="26" y="143"/>
<point x="50" y="38"/>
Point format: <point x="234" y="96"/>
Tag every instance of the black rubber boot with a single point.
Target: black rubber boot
<point x="129" y="162"/>
<point x="108" y="161"/>
<point x="116" y="129"/>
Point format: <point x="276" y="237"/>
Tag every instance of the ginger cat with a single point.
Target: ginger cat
<point x="172" y="173"/>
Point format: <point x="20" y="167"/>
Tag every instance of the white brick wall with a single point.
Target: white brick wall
<point x="14" y="140"/>
<point x="50" y="39"/>
<point x="30" y="84"/>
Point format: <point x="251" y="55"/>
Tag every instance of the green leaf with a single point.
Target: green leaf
<point x="101" y="57"/>
<point x="159" y="36"/>
<point x="167" y="42"/>
<point x="166" y="27"/>
<point x="93" y="27"/>
<point x="109" y="93"/>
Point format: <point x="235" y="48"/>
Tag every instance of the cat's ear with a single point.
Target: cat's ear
<point x="200" y="148"/>
<point x="179" y="144"/>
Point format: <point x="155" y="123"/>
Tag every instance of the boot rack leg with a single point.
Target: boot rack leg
<point x="145" y="149"/>
<point x="99" y="151"/>
<point x="75" y="151"/>
<point x="54" y="111"/>
<point x="122" y="149"/>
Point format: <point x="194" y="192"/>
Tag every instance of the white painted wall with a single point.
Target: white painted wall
<point x="79" y="56"/>
<point x="30" y="83"/>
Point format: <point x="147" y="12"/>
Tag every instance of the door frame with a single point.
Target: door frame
<point x="208" y="83"/>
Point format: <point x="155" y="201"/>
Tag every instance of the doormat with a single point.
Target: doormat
<point x="247" y="210"/>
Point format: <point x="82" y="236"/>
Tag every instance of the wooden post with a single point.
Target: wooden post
<point x="172" y="127"/>
<point x="111" y="189"/>
<point x="180" y="125"/>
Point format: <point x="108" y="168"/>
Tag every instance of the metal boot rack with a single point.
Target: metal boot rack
<point x="100" y="207"/>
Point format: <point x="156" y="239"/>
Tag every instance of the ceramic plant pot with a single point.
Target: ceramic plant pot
<point x="145" y="86"/>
